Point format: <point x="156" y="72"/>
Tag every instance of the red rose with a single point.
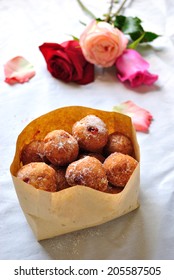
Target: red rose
<point x="66" y="62"/>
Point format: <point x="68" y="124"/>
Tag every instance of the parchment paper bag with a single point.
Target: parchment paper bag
<point x="74" y="208"/>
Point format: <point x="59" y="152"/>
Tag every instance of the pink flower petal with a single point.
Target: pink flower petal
<point x="18" y="70"/>
<point x="132" y="67"/>
<point x="141" y="118"/>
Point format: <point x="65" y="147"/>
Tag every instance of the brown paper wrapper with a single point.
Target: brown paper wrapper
<point x="74" y="208"/>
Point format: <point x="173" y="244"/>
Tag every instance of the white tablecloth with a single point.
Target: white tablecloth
<point x="146" y="233"/>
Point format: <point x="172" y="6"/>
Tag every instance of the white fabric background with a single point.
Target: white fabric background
<point x="147" y="233"/>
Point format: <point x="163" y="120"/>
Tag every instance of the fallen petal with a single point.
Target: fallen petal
<point x="141" y="118"/>
<point x="18" y="70"/>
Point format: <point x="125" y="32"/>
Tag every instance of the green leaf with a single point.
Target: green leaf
<point x="83" y="23"/>
<point x="75" y="38"/>
<point x="132" y="27"/>
<point x="128" y="25"/>
<point x="99" y="19"/>
<point x="119" y="22"/>
<point x="136" y="35"/>
<point x="149" y="37"/>
<point x="139" y="38"/>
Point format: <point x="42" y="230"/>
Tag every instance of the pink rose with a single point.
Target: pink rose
<point x="101" y="43"/>
<point x="133" y="68"/>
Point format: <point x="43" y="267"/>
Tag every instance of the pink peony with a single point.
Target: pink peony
<point x="133" y="68"/>
<point x="101" y="43"/>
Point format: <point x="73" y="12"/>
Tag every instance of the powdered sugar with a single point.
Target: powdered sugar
<point x="93" y="122"/>
<point x="70" y="246"/>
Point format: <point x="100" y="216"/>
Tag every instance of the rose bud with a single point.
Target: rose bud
<point x="132" y="67"/>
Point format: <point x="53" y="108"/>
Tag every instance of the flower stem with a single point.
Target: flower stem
<point x="109" y="15"/>
<point x="88" y="12"/>
<point x="120" y="8"/>
<point x="109" y="11"/>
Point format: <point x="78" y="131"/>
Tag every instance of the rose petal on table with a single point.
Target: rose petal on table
<point x="141" y="118"/>
<point x="18" y="70"/>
